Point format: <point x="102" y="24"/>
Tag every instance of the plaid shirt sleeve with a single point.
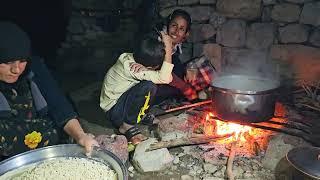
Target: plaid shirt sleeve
<point x="205" y="75"/>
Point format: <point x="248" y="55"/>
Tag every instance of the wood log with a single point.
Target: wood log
<point x="231" y="157"/>
<point x="186" y="141"/>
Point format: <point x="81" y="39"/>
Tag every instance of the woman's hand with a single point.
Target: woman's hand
<point x="136" y="67"/>
<point x="88" y="142"/>
<point x="74" y="129"/>
<point x="191" y="76"/>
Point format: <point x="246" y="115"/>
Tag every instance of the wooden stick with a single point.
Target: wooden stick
<point x="305" y="89"/>
<point x="314" y="93"/>
<point x="309" y="106"/>
<point x="232" y="154"/>
<point x="186" y="141"/>
<point x="184" y="107"/>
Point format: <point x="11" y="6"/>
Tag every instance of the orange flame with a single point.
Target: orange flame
<point x="223" y="128"/>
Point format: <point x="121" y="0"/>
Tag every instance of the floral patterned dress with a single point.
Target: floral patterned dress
<point x="23" y="128"/>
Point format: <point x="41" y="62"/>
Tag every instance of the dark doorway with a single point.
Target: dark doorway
<point x="44" y="21"/>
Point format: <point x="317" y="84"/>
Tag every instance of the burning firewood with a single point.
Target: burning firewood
<point x="194" y="140"/>
<point x="232" y="154"/>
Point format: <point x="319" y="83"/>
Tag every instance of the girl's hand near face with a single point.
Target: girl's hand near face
<point x="167" y="40"/>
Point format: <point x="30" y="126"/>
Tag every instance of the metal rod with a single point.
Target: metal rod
<point x="288" y="126"/>
<point x="184" y="107"/>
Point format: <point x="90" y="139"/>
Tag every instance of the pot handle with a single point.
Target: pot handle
<point x="242" y="102"/>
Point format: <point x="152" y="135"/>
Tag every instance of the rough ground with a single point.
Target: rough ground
<point x="85" y="96"/>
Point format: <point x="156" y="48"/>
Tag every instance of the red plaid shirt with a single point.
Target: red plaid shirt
<point x="206" y="73"/>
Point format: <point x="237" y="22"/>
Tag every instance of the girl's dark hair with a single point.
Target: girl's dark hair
<point x="180" y="13"/>
<point x="149" y="52"/>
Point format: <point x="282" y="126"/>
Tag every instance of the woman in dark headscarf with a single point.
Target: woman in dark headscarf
<point x="33" y="112"/>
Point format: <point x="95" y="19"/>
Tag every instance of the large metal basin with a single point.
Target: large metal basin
<point x="244" y="98"/>
<point x="63" y="150"/>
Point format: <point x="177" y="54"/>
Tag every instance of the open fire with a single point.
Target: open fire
<point x="250" y="141"/>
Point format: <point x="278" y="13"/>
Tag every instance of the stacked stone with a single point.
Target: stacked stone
<point x="98" y="30"/>
<point x="241" y="33"/>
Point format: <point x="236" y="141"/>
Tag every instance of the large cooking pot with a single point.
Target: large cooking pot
<point x="244" y="98"/>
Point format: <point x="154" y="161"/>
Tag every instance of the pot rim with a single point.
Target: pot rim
<point x="236" y="91"/>
<point x="246" y="92"/>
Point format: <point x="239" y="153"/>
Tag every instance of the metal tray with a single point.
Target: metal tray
<point x="63" y="150"/>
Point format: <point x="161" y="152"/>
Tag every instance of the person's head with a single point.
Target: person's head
<point x="149" y="52"/>
<point x="178" y="25"/>
<point x="15" y="51"/>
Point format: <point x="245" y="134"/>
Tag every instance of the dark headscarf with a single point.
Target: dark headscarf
<point x="14" y="43"/>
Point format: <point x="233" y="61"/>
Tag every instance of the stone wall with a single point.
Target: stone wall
<point x="265" y="36"/>
<point x="98" y="31"/>
<point x="269" y="36"/>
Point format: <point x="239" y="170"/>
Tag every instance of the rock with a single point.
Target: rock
<point x="210" y="168"/>
<point x="247" y="174"/>
<point x="198" y="13"/>
<point x="244" y="9"/>
<point x="173" y="128"/>
<point x="298" y="1"/>
<point x="260" y="35"/>
<point x="232" y="33"/>
<point x="266" y="14"/>
<point x="311" y="14"/>
<point x="187" y="2"/>
<point x="294" y="33"/>
<point x="131" y="169"/>
<point x="210" y="158"/>
<point x="207" y="1"/>
<point x="213" y="178"/>
<point x="285" y="12"/>
<point x="117" y="144"/>
<point x="277" y="149"/>
<point x="186" y="177"/>
<point x="176" y="160"/>
<point x="237" y="171"/>
<point x="220" y="172"/>
<point x="174" y="168"/>
<point x="167" y="3"/>
<point x="217" y="19"/>
<point x="269" y="2"/>
<point x="151" y="161"/>
<point x="201" y="32"/>
<point x="314" y="38"/>
<point x="193" y="172"/>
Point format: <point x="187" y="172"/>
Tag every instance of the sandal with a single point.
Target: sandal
<point x="132" y="132"/>
<point x="148" y="119"/>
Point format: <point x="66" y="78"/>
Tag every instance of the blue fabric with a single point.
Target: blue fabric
<point x="59" y="108"/>
<point x="178" y="68"/>
<point x="129" y="104"/>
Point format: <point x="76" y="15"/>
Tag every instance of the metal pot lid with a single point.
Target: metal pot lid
<point x="306" y="160"/>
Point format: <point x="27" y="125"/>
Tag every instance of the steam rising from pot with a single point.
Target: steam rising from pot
<point x="246" y="62"/>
